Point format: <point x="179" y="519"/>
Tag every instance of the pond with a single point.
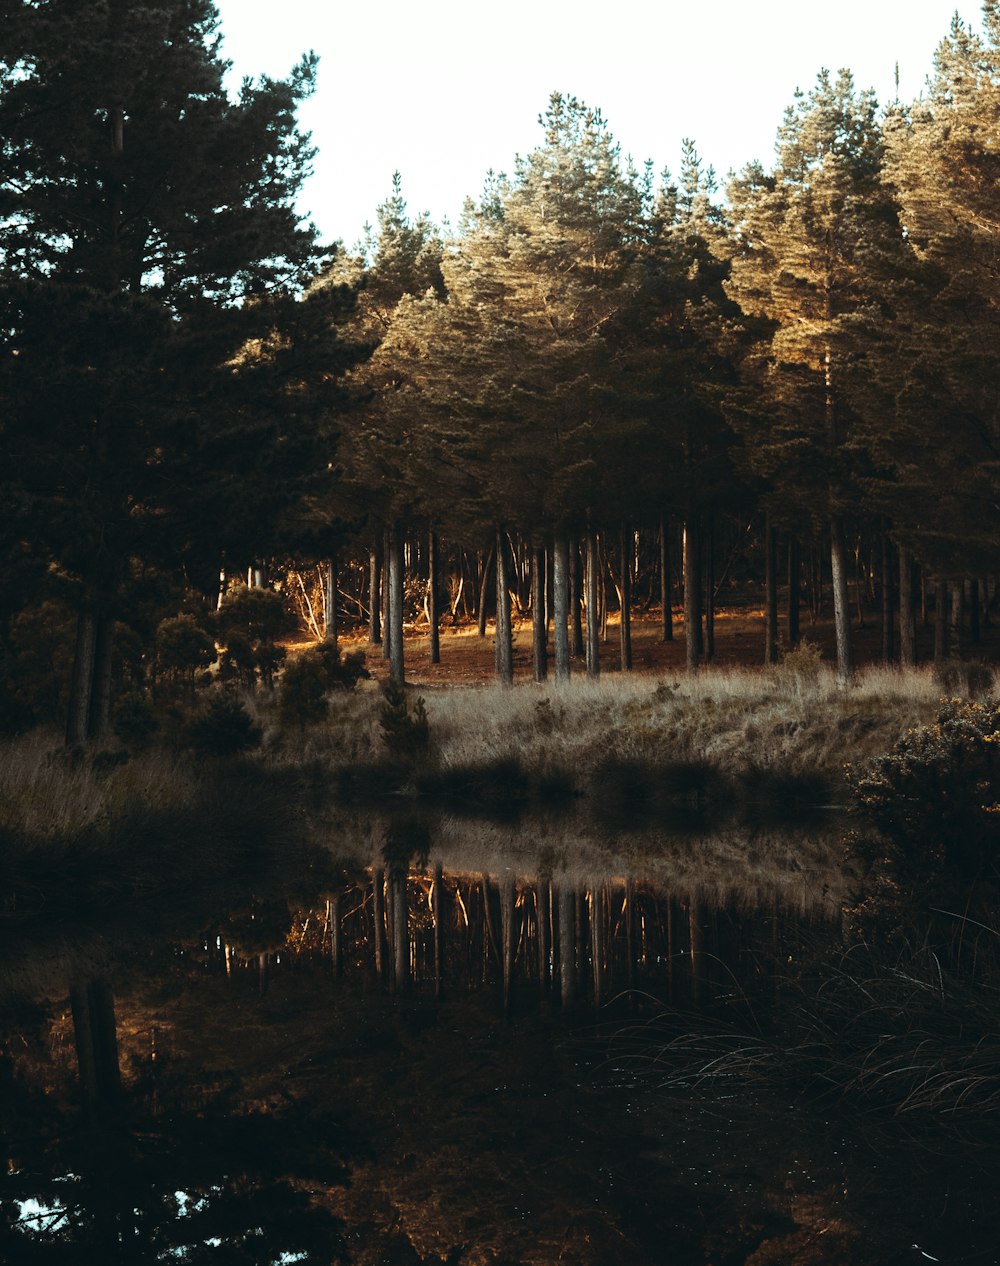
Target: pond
<point x="457" y="1041"/>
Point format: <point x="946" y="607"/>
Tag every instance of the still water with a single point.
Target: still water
<point x="455" y="1042"/>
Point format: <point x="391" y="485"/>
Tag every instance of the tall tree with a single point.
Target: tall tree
<point x="147" y="237"/>
<point x="806" y="232"/>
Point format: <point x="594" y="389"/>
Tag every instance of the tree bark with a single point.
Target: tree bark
<point x="484" y="589"/>
<point x="386" y="596"/>
<point x="433" y="614"/>
<point x="625" y="590"/>
<point x="666" y="598"/>
<point x="374" y="596"/>
<point x="593" y="626"/>
<point x="99" y="715"/>
<point x="330" y="599"/>
<point x="576" y="587"/>
<point x="794" y="591"/>
<point x="841" y="601"/>
<point x="770" y="591"/>
<point x="887" y="595"/>
<point x="395" y="612"/>
<point x="539" y="651"/>
<point x="907" y="611"/>
<point x="82" y="680"/>
<point x="503" y="646"/>
<point x="567" y="944"/>
<point x="560" y="605"/>
<point x="692" y="594"/>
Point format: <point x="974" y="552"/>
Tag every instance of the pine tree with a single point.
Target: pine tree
<point x="147" y="239"/>
<point x="806" y="233"/>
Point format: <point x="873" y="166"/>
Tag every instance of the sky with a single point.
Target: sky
<point x="445" y="90"/>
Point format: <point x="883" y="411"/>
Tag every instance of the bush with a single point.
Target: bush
<point x="249" y="622"/>
<point x="224" y="728"/>
<point x="934" y="803"/>
<point x="134" y="721"/>
<point x="309" y="677"/>
<point x="406" y="733"/>
<point x="183" y="648"/>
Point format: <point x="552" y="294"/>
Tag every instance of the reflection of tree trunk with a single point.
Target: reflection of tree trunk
<point x="593" y="627"/>
<point x="400" y="930"/>
<point x="543" y="919"/>
<point x="263" y="973"/>
<point x="93" y="1006"/>
<point x="696" y="951"/>
<point x="437" y="906"/>
<point x="539" y="653"/>
<point x="629" y="912"/>
<point x="378" y="917"/>
<point x="336" y="938"/>
<point x="567" y="944"/>
<point x="508" y="935"/>
<point x="625" y="628"/>
<point x="597" y="942"/>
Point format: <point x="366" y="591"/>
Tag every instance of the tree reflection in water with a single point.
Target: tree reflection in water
<point x="424" y="1080"/>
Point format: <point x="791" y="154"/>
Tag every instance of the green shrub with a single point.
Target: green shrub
<point x="223" y="728"/>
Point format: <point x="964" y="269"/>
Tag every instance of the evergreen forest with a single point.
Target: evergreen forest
<point x="601" y="387"/>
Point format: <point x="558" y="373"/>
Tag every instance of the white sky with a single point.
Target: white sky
<point x="444" y="90"/>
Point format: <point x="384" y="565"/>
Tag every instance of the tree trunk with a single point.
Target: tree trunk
<point x="539" y="651"/>
<point x="770" y="591"/>
<point x="395" y="612"/>
<point x="386" y="596"/>
<point x="794" y="591"/>
<point x="503" y="645"/>
<point x="576" y="586"/>
<point x="841" y="601"/>
<point x="330" y="603"/>
<point x="907" y="612"/>
<point x="593" y="627"/>
<point x="887" y="595"/>
<point x="940" y="621"/>
<point x="597" y="942"/>
<point x="400" y="930"/>
<point x="374" y="596"/>
<point x="99" y="716"/>
<point x="432" y="597"/>
<point x="692" y="594"/>
<point x="543" y="921"/>
<point x="438" y="910"/>
<point x="378" y="920"/>
<point x="666" y="599"/>
<point x="508" y="936"/>
<point x="625" y="591"/>
<point x="710" y="591"/>
<point x="560" y="605"/>
<point x="484" y="589"/>
<point x="82" y="680"/>
<point x="94" y="1030"/>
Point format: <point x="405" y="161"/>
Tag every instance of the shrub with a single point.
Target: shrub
<point x="183" y="647"/>
<point x="934" y="804"/>
<point x="309" y="677"/>
<point x="223" y="728"/>
<point x="134" y="721"/>
<point x="804" y="662"/>
<point x="969" y="678"/>
<point x="249" y="622"/>
<point x="405" y="733"/>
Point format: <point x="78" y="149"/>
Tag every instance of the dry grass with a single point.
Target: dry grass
<point x="47" y="793"/>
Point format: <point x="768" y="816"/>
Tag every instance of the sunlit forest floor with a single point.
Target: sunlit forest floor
<point x="739" y="642"/>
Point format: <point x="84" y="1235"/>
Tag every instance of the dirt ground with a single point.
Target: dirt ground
<point x="467" y="659"/>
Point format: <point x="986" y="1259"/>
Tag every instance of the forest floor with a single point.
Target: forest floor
<point x="467" y="659"/>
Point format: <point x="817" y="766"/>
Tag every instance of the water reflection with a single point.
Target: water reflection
<point x="401" y="1059"/>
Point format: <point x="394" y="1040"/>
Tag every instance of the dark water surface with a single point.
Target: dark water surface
<point x="522" y="1047"/>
